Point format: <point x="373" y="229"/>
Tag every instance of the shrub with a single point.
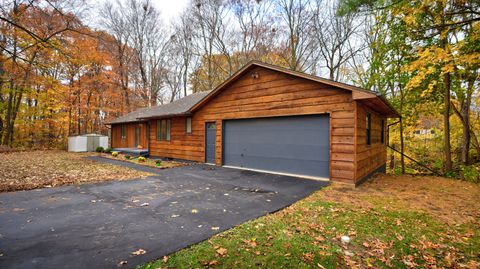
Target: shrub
<point x="158" y="162"/>
<point x="115" y="153"/>
<point x="108" y="150"/>
<point x="141" y="159"/>
<point x="470" y="173"/>
<point x="128" y="157"/>
<point x="99" y="149"/>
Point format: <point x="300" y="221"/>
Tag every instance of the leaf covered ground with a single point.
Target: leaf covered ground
<point x="38" y="169"/>
<point x="392" y="222"/>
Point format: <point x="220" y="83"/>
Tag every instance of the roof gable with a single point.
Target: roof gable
<point x="357" y="93"/>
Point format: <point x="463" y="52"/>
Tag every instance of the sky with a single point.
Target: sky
<point x="170" y="8"/>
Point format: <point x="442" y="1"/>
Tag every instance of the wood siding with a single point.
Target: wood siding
<point x="271" y="94"/>
<point x="369" y="157"/>
<point x="129" y="141"/>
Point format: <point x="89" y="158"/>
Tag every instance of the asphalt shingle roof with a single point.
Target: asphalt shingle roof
<point x="178" y="107"/>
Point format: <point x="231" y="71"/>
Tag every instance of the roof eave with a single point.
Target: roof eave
<point x="166" y="116"/>
<point x="123" y="122"/>
<point x="395" y="113"/>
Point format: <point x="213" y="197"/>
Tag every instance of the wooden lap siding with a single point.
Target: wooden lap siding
<point x="129" y="142"/>
<point x="181" y="145"/>
<point x="369" y="157"/>
<point x="271" y="94"/>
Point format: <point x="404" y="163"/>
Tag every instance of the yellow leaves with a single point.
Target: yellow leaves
<point x="410" y="19"/>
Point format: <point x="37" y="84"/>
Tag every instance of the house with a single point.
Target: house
<point x="271" y="119"/>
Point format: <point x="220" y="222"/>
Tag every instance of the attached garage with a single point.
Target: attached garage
<point x="298" y="145"/>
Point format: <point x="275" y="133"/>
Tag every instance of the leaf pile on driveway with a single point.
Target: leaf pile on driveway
<point x="392" y="222"/>
<point x="37" y="169"/>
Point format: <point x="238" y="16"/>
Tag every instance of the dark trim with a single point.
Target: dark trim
<point x="148" y="135"/>
<point x="223" y="143"/>
<point x="368" y="129"/>
<point x="205" y="142"/>
<point x="382" y="169"/>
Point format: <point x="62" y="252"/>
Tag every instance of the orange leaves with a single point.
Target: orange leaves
<point x="251" y="243"/>
<point x="221" y="251"/>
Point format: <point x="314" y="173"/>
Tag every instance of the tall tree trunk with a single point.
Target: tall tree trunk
<point x="446" y="113"/>
<point x="446" y="124"/>
<point x="466" y="129"/>
<point x="14" y="116"/>
<point x="9" y="114"/>
<point x="402" y="147"/>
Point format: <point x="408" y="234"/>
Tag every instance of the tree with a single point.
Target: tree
<point x="336" y="37"/>
<point x="299" y="43"/>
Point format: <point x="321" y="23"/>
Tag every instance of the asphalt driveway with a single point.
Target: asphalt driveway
<point x="100" y="225"/>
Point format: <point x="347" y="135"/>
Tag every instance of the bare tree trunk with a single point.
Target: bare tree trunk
<point x="402" y="147"/>
<point x="466" y="129"/>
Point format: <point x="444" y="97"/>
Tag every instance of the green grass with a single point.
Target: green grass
<point x="308" y="235"/>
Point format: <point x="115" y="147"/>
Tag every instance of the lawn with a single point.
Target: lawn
<point x="38" y="169"/>
<point x="392" y="222"/>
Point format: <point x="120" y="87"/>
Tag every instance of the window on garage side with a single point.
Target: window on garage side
<point x="188" y="125"/>
<point x="123" y="131"/>
<point x="369" y="128"/>
<point x="163" y="129"/>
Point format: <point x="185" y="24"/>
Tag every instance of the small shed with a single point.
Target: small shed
<point x="87" y="142"/>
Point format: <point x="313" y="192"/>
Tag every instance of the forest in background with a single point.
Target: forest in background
<point x="67" y="67"/>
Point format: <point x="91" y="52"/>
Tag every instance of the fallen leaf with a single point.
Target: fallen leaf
<point x="175" y="216"/>
<point x="215" y="228"/>
<point x="213" y="263"/>
<point x="222" y="251"/>
<point x="251" y="243"/>
<point x="399" y="237"/>
<point x="145" y="204"/>
<point x="165" y="259"/>
<point x="121" y="263"/>
<point x="139" y="252"/>
<point x="194" y="211"/>
<point x="307" y="257"/>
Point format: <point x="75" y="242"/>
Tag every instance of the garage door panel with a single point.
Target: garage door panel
<point x="300" y="152"/>
<point x="296" y="145"/>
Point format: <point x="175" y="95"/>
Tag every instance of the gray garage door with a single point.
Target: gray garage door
<point x="296" y="145"/>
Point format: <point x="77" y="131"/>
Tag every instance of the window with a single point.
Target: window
<point x="369" y="127"/>
<point x="382" y="135"/>
<point x="124" y="131"/>
<point x="188" y="125"/>
<point x="163" y="130"/>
